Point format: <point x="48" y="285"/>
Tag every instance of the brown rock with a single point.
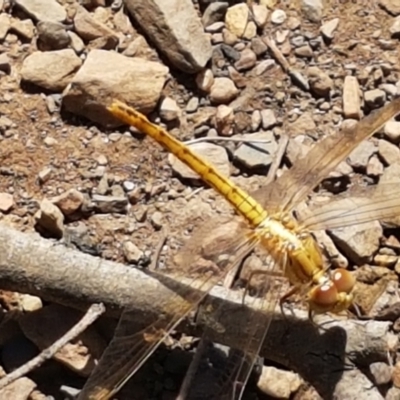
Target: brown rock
<point x="106" y="75"/>
<point x="320" y="82"/>
<point x="6" y="202"/>
<point x="223" y="91"/>
<point x="52" y="70"/>
<point x="50" y="218"/>
<point x="18" y="390"/>
<point x="69" y="202"/>
<point x="391" y="6"/>
<point x="88" y="28"/>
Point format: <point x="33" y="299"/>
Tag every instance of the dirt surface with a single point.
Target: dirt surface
<point x="46" y="151"/>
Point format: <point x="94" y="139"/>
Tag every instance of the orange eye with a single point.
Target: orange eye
<point x="343" y="280"/>
<point x="325" y="295"/>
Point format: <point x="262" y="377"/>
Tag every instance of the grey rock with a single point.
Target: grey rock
<point x="215" y="155"/>
<point x="257" y="155"/>
<point x="175" y="29"/>
<point x="312" y="9"/>
<point x="110" y="204"/>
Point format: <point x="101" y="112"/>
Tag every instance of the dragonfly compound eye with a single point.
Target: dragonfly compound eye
<point x="343" y="280"/>
<point x="325" y="295"/>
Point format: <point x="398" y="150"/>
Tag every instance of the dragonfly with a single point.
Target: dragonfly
<point x="266" y="219"/>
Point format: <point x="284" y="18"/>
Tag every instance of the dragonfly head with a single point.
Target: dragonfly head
<point x="334" y="294"/>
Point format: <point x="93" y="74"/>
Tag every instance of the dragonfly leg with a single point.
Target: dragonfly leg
<point x="284" y="299"/>
<point x="275" y="274"/>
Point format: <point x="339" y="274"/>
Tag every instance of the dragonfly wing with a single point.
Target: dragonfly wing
<point x="131" y="345"/>
<point x="231" y="378"/>
<point x="366" y="204"/>
<point x="295" y="184"/>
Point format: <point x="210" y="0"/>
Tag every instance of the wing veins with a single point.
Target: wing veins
<point x="295" y="184"/>
<point x="131" y="351"/>
<point x="380" y="205"/>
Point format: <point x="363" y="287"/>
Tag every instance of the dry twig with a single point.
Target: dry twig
<point x="90" y="316"/>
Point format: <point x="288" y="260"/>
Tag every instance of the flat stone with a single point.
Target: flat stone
<point x="392" y="131"/>
<point x="50" y="218"/>
<point x="312" y="9"/>
<point x="88" y="28"/>
<point x="69" y="201"/>
<point x="5" y="23"/>
<point x="374" y="167"/>
<point x="205" y="80"/>
<point x="236" y="19"/>
<point x="258" y="46"/>
<point x="375" y="98"/>
<point x="260" y="14"/>
<point x="304" y="51"/>
<point x="358" y="242"/>
<point x="175" y="28"/>
<point x="360" y="156"/>
<point x="304" y="124"/>
<point x="132" y="253"/>
<point x="351" y="98"/>
<point x="278" y="17"/>
<point x="268" y="119"/>
<point x="320" y="82"/>
<point x="24" y="29"/>
<point x="6" y="202"/>
<point x="381" y="372"/>
<point x="389" y="152"/>
<point x="264" y="66"/>
<point x="247" y="60"/>
<point x="39" y="10"/>
<point x="391" y="6"/>
<point x="30" y="303"/>
<point x="251" y="31"/>
<point x="76" y="42"/>
<point x="215" y="155"/>
<point x="395" y="28"/>
<point x="135" y="81"/>
<point x="257" y="155"/>
<point x="52" y="70"/>
<point x="169" y="109"/>
<point x="223" y="91"/>
<point x="224" y="120"/>
<point x="278" y="383"/>
<point x="52" y="35"/>
<point x="328" y="28"/>
<point x="20" y="389"/>
<point x="110" y="204"/>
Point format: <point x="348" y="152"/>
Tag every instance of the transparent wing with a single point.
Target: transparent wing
<point x="132" y="344"/>
<point x="295" y="184"/>
<point x="366" y="204"/>
<point x="229" y="380"/>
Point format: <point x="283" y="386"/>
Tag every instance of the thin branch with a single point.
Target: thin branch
<point x="91" y="315"/>
<point x="157" y="251"/>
